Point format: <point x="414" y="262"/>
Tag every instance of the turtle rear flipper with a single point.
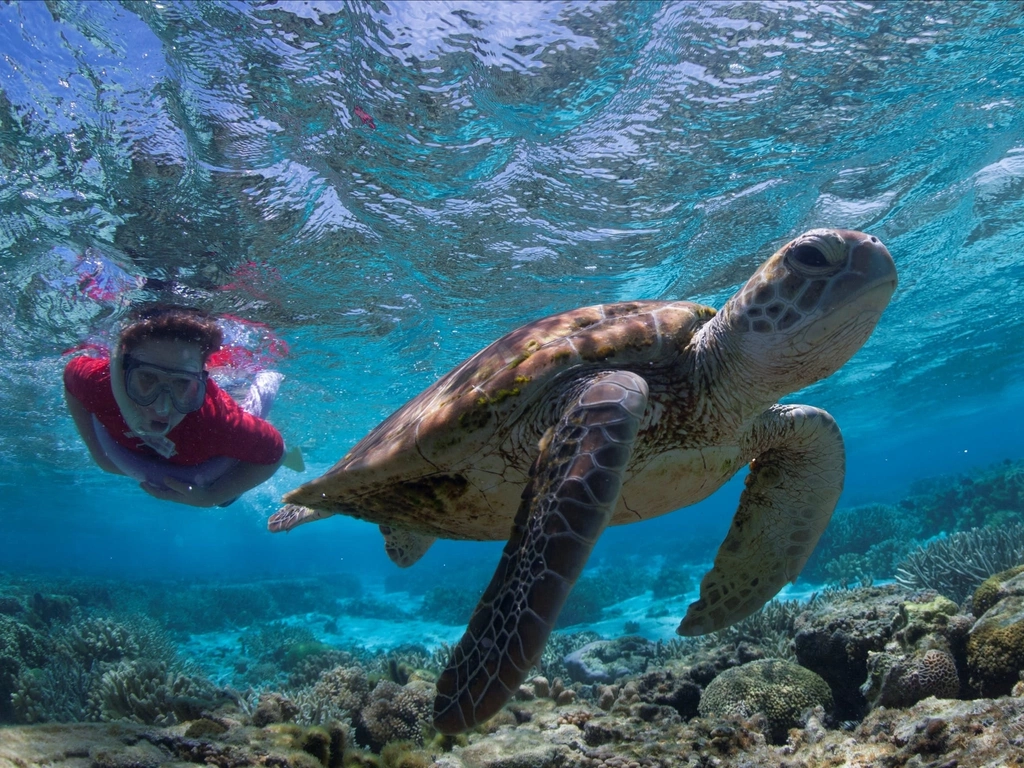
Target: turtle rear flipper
<point x="405" y="547"/>
<point x="791" y="491"/>
<point x="572" y="492"/>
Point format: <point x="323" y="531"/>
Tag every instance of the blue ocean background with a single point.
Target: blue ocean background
<point x="389" y="186"/>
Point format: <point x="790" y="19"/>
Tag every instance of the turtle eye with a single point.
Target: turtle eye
<point x="807" y="255"/>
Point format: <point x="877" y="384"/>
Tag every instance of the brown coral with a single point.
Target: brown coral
<point x="995" y="649"/>
<point x="895" y="680"/>
<point x="396" y="713"/>
<point x="996" y="587"/>
<point x="779" y="689"/>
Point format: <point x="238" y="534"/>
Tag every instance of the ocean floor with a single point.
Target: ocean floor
<point x="326" y="688"/>
<point x="340" y="672"/>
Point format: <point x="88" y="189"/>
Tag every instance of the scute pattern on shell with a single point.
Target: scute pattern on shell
<point x="490" y="388"/>
<point x="453" y="461"/>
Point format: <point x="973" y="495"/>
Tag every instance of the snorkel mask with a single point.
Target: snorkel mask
<point x="145" y="382"/>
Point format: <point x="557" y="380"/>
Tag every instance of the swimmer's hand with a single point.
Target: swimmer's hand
<point x="182" y="493"/>
<point x="226" y="488"/>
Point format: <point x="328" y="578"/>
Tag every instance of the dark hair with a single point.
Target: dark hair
<point x="169" y="321"/>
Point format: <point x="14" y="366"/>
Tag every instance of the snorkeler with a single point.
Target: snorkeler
<point x="152" y="412"/>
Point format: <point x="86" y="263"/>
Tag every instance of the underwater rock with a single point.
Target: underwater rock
<point x="664" y="688"/>
<point x="995" y="648"/>
<point x="899" y="680"/>
<point x="779" y="689"/>
<point x="10" y="606"/>
<point x="834" y="636"/>
<point x="513" y="748"/>
<point x="996" y="587"/>
<point x="131" y="745"/>
<point x="273" y="708"/>
<point x="50" y="608"/>
<point x="927" y="621"/>
<point x="605" y="661"/>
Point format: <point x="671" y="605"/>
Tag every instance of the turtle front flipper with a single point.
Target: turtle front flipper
<point x="573" y="489"/>
<point x="793" y="486"/>
<point x="293" y="515"/>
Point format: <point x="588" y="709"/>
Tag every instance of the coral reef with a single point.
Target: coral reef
<point x="597" y="589"/>
<point x="780" y="690"/>
<point x="450" y="605"/>
<point x="993" y="496"/>
<point x="868" y="543"/>
<point x="207" y="607"/>
<point x="969" y="734"/>
<point x="353" y="707"/>
<point x="21" y="649"/>
<point x="955" y="565"/>
<point x="671" y="581"/>
<point x="893" y="658"/>
<point x="605" y="661"/>
<point x="862" y="543"/>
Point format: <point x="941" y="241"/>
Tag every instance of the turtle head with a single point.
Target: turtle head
<point x="810" y="307"/>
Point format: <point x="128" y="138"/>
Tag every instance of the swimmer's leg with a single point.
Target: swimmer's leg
<point x="262" y="392"/>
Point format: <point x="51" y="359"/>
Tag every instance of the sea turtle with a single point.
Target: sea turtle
<point x="611" y="414"/>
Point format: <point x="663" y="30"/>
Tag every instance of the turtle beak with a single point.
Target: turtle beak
<point x="871" y="264"/>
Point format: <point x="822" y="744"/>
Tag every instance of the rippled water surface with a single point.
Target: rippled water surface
<point x="391" y="185"/>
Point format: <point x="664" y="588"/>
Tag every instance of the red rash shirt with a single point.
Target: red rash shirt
<point x="219" y="428"/>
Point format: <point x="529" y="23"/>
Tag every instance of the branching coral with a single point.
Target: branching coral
<point x="58" y="691"/>
<point x="21" y="648"/>
<point x="396" y="713"/>
<point x="102" y="640"/>
<point x="347" y="687"/>
<point x="956" y="564"/>
<point x="146" y="692"/>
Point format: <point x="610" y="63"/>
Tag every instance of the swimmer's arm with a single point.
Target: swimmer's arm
<point x="233" y="483"/>
<point x="83" y="422"/>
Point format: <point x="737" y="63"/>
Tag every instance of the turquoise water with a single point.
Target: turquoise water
<point x="389" y="186"/>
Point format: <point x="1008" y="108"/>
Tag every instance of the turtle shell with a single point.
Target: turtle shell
<point x="453" y="461"/>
